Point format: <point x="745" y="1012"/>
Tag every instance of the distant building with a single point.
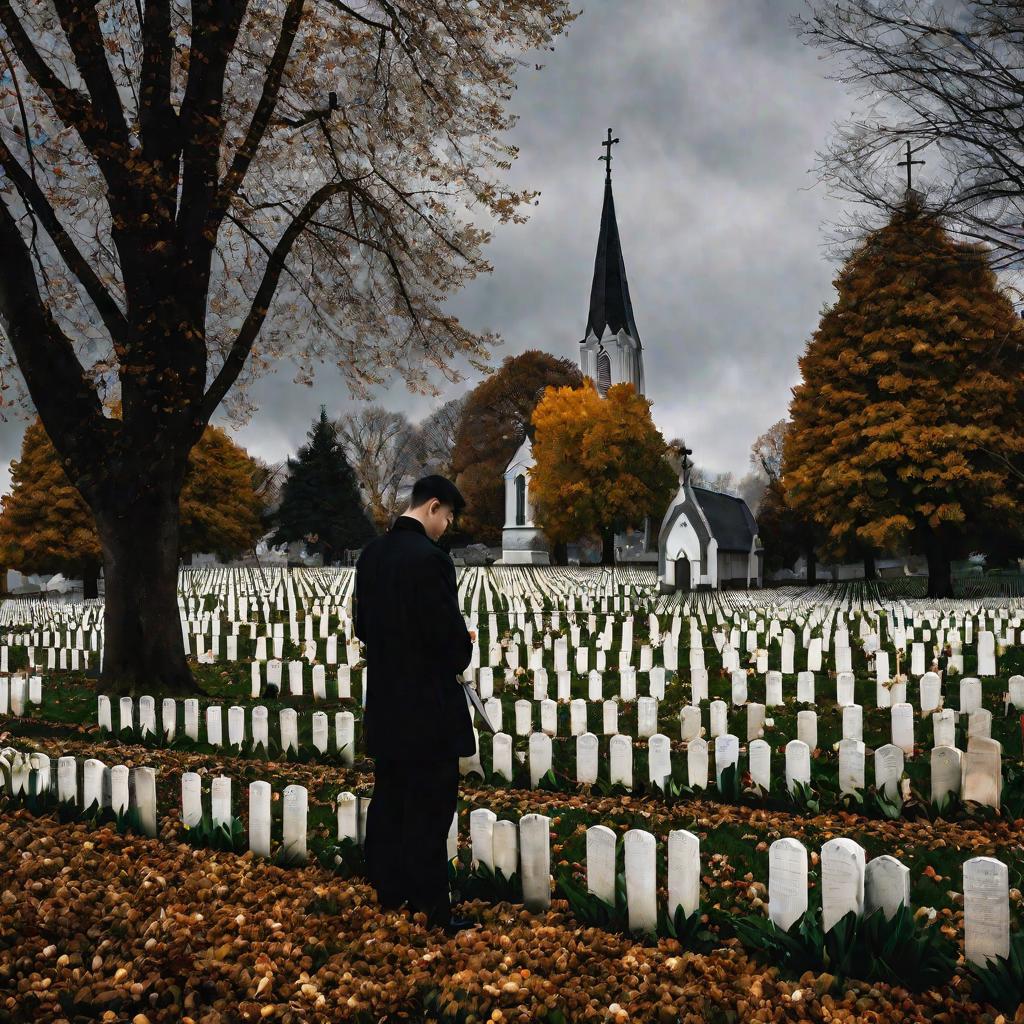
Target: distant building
<point x="708" y="540"/>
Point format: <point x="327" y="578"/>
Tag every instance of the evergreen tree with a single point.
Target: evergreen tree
<point x="320" y="502"/>
<point x="908" y="419"/>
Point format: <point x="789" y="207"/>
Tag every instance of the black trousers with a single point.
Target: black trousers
<point x="406" y="845"/>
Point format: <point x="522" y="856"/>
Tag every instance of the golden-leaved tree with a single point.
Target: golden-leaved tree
<point x="908" y="420"/>
<point x="46" y="526"/>
<point x="600" y="464"/>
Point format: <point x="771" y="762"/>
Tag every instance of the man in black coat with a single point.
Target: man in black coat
<point x="417" y="722"/>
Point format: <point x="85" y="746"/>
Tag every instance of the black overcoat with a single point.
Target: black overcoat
<point x="407" y="614"/>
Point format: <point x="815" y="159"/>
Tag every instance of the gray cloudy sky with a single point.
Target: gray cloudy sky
<point x="719" y="108"/>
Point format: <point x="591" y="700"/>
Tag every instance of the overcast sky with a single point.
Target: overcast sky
<point x="719" y="108"/>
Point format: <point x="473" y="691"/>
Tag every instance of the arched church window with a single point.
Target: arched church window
<point x="520" y="500"/>
<point x="604" y="372"/>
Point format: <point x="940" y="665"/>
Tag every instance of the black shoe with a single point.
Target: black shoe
<point x="458" y="924"/>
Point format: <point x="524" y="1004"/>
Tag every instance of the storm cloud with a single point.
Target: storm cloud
<point x="719" y="108"/>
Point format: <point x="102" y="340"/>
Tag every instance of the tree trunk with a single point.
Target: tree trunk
<point x="870" y="572"/>
<point x="559" y="553"/>
<point x="90" y="583"/>
<point x="143" y="650"/>
<point x="608" y="547"/>
<point x="940" y="566"/>
<point x="812" y="566"/>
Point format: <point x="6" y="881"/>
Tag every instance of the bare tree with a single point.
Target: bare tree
<point x="943" y="80"/>
<point x="766" y="451"/>
<point x="381" y="447"/>
<point x="751" y="488"/>
<point x="724" y="483"/>
<point x="268" y="478"/>
<point x="435" y="438"/>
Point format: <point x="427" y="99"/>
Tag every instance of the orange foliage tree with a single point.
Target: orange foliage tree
<point x="46" y="526"/>
<point x="600" y="464"/>
<point x="908" y="418"/>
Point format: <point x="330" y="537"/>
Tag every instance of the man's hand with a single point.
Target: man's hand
<point x="472" y="635"/>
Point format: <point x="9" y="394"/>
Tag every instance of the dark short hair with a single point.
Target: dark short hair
<point x="434" y="486"/>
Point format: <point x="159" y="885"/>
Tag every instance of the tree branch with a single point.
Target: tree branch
<point x="53" y="375"/>
<point x="242" y="345"/>
<point x="235" y="174"/>
<point x="215" y="26"/>
<point x="159" y="125"/>
<point x="71" y="106"/>
<point x="35" y="201"/>
<point x="81" y="26"/>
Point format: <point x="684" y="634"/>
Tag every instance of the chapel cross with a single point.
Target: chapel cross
<point x="909" y="163"/>
<point x="687" y="464"/>
<point x="607" y="158"/>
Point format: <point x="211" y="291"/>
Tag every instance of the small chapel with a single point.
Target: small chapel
<point x="611" y="353"/>
<point x="708" y="540"/>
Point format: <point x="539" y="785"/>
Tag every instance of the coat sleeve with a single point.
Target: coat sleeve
<point x="359" y="599"/>
<point x="445" y="628"/>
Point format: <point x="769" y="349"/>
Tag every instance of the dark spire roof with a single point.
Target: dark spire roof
<point x="609" y="294"/>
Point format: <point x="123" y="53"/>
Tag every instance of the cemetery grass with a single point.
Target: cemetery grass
<point x="734" y="839"/>
<point x="101" y="926"/>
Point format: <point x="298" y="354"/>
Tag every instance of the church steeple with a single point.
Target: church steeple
<point x="610" y="307"/>
<point x="611" y="351"/>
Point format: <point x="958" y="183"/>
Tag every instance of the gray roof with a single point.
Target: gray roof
<point x="732" y="525"/>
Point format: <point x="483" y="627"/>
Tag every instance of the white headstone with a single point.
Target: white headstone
<point x="641" y="880"/>
<point x="683" y="872"/>
<point x="787" y="882"/>
<point x="259" y="817"/>
<point x="851" y="766"/>
<point x="842" y="880"/>
<point x="535" y="856"/>
<point x="986" y="910"/>
<point x="946" y="772"/>
<point x="888" y="770"/>
<point x="886" y="886"/>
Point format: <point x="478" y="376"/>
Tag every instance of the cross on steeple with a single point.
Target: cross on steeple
<point x="910" y="163"/>
<point x="607" y="158"/>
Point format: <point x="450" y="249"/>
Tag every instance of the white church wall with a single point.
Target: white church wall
<point x="714" y="574"/>
<point x="733" y="567"/>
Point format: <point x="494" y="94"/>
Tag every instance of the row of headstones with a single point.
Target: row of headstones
<point x="532" y="657"/>
<point x="61" y="658"/>
<point x="887" y="693"/>
<point x="847" y="883"/>
<point x="974" y="774"/>
<point x="83" y="638"/>
<point x="296" y="679"/>
<point x="691" y="721"/>
<point x="86" y="783"/>
<point x="901" y="718"/>
<point x="56" y="658"/>
<point x="17" y="691"/>
<point x="143" y="721"/>
<point x="122" y="788"/>
<point x="51" y="639"/>
<point x="208" y="649"/>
